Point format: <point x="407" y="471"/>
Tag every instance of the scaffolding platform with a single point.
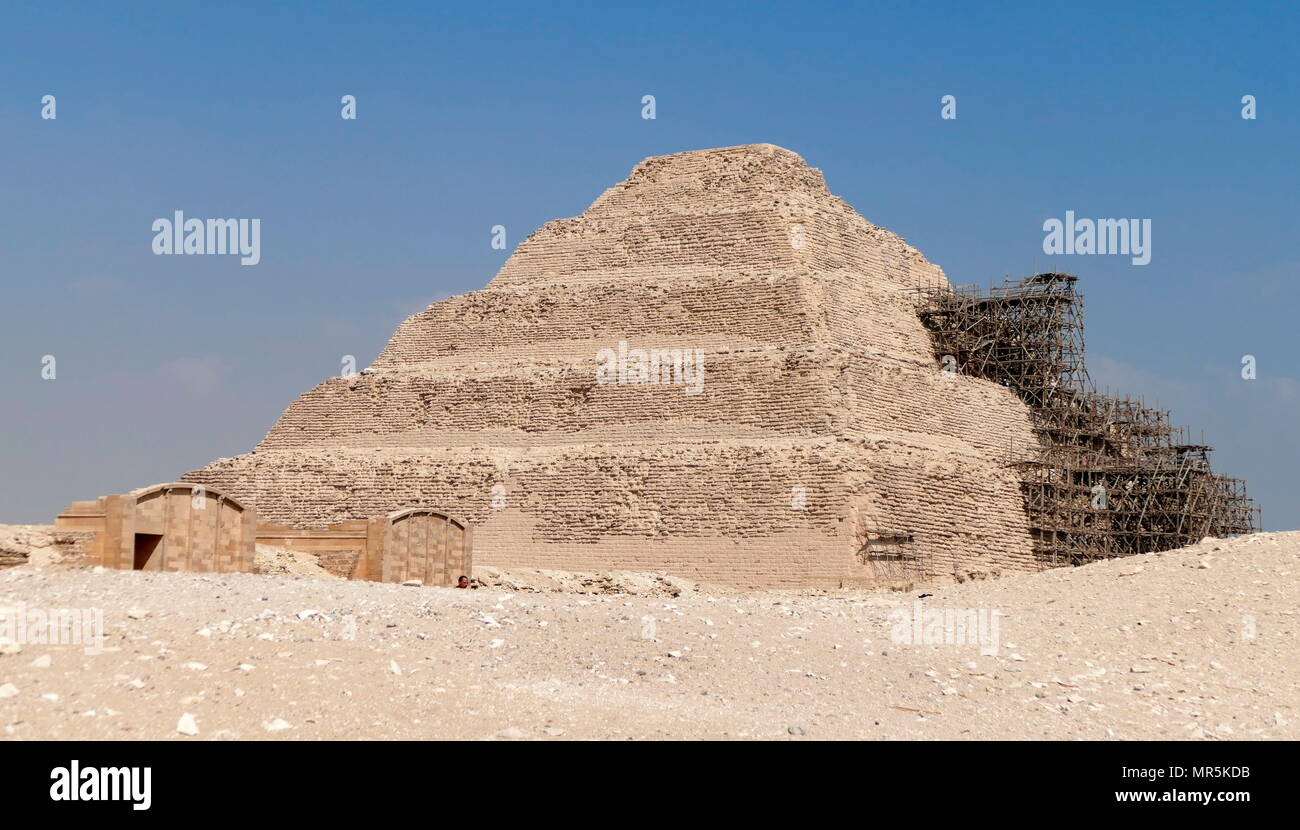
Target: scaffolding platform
<point x="1110" y="476"/>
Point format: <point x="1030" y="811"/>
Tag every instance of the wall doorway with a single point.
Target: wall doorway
<point x="146" y="547"/>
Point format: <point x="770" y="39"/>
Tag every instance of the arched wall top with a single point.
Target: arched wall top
<point x="188" y="487"/>
<point x="432" y="511"/>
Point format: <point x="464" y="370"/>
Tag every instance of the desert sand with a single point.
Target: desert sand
<point x="1199" y="643"/>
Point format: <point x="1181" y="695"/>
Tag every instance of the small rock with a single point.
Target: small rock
<point x="796" y="730"/>
<point x="511" y="733"/>
<point x="8" y="690"/>
<point x="276" y="725"/>
<point x="43" y="662"/>
<point x="137" y="613"/>
<point x="187" y="725"/>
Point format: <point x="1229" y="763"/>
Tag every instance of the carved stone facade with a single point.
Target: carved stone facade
<point x="167" y="527"/>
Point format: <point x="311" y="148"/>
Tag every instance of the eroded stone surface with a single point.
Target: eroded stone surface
<point x="821" y="415"/>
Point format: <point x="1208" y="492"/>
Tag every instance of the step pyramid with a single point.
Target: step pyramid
<point x="806" y="438"/>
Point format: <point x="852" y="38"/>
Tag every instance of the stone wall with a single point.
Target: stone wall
<point x="166" y="527"/>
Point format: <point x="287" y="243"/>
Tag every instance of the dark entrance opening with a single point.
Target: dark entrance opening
<point x="145" y="546"/>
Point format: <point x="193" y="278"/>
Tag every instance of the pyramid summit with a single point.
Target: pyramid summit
<point x="773" y="415"/>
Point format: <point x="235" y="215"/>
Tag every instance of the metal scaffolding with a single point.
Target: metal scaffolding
<point x="1110" y="476"/>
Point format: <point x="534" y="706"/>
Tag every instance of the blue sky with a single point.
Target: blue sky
<point x="522" y="113"/>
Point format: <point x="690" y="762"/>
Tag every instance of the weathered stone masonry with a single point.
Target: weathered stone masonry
<point x="824" y="448"/>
